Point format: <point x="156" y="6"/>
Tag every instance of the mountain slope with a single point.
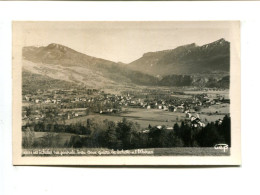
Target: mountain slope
<point x="62" y="55"/>
<point x="60" y="62"/>
<point x="187" y="59"/>
<point x="32" y="82"/>
<point x="183" y="66"/>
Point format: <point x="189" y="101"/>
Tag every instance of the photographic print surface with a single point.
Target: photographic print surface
<point x="126" y="93"/>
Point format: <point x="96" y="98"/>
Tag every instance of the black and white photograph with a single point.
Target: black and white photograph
<point x="132" y="92"/>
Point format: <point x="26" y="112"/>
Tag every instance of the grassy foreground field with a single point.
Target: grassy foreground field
<point x="180" y="151"/>
<point x="190" y="151"/>
<point x="63" y="137"/>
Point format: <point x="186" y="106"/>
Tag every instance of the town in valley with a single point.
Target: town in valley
<point x="171" y="102"/>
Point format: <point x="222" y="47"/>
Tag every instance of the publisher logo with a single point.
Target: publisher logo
<point x="223" y="147"/>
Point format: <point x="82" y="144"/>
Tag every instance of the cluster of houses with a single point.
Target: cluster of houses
<point x="81" y="102"/>
<point x="68" y="97"/>
<point x="38" y="115"/>
<point x="59" y="96"/>
<point x="185" y="105"/>
<point x="195" y="120"/>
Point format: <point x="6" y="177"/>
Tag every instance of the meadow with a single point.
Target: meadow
<point x="144" y="117"/>
<point x="61" y="138"/>
<point x="210" y="93"/>
<point x="154" y="117"/>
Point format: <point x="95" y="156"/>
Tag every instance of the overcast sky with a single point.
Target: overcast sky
<point x="122" y="41"/>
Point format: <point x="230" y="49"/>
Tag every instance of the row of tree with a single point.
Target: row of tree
<point x="128" y="135"/>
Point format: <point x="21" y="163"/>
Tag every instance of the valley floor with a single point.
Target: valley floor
<point x="154" y="117"/>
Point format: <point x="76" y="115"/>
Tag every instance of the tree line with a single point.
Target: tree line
<point x="127" y="135"/>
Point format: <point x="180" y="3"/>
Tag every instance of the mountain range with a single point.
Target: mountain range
<point x="186" y="59"/>
<point x="182" y="66"/>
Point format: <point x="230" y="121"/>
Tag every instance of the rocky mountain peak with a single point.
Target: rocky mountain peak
<point x="57" y="46"/>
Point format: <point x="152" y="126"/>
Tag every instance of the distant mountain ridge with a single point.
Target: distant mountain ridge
<point x="185" y="65"/>
<point x="61" y="62"/>
<point x="187" y="59"/>
<point x="59" y="54"/>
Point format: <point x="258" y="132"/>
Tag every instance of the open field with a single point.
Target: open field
<point x="181" y="96"/>
<point x="211" y="118"/>
<point x="214" y="112"/>
<point x="210" y="93"/>
<point x="222" y="108"/>
<point x="62" y="137"/>
<point x="143" y="117"/>
<point x="154" y="117"/>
